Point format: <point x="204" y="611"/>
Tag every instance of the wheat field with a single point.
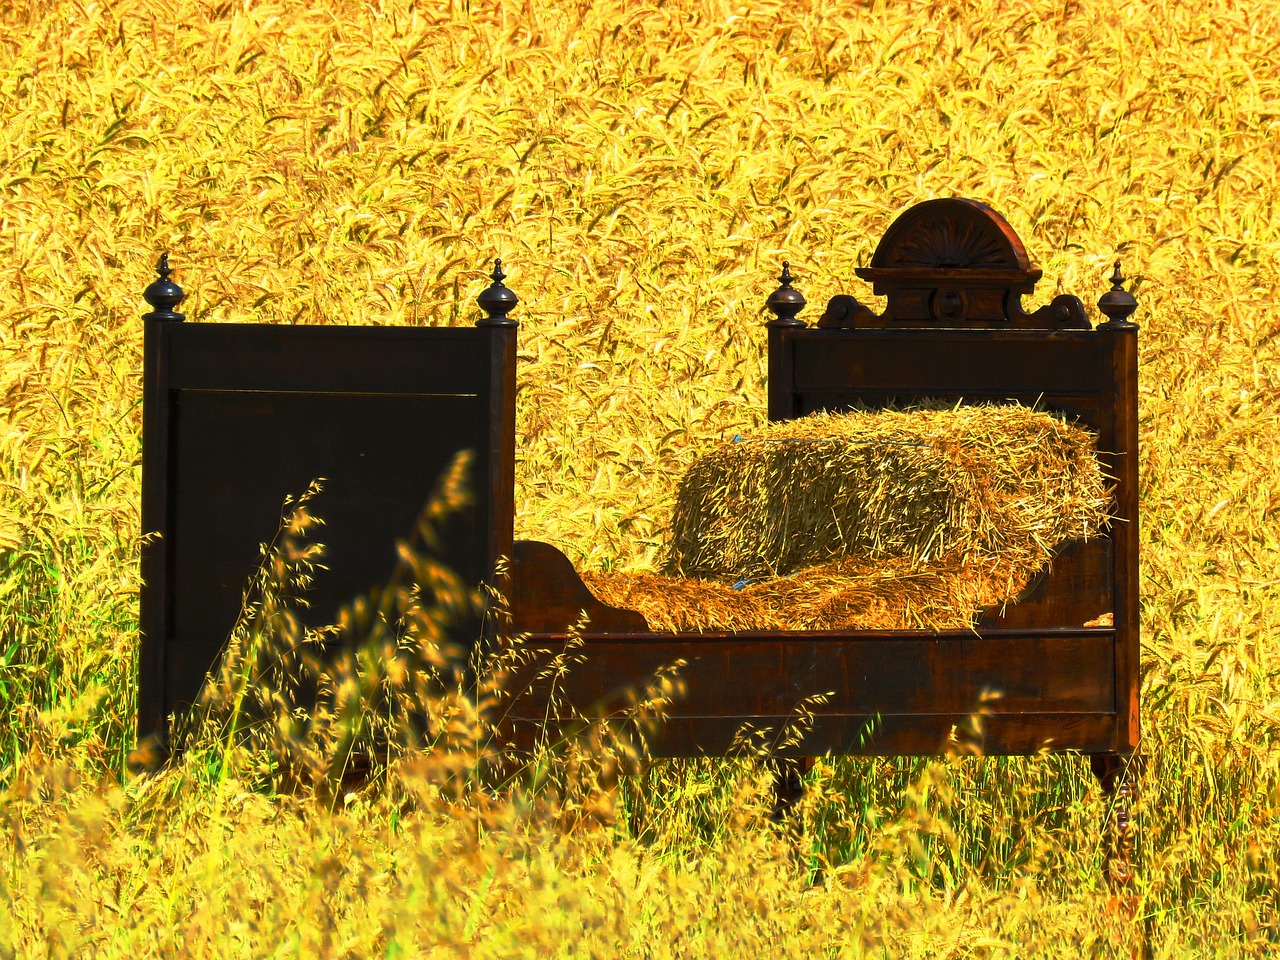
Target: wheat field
<point x="642" y="170"/>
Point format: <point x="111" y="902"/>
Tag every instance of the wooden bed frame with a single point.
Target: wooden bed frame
<point x="237" y="416"/>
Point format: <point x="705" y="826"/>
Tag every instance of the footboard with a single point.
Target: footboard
<point x="240" y="417"/>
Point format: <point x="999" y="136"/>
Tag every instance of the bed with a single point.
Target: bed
<point x="237" y="416"/>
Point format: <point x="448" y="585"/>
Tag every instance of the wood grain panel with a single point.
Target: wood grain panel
<point x="256" y="356"/>
<point x="238" y="455"/>
<point x="239" y="416"/>
<point x="776" y="676"/>
<point x="1008" y="363"/>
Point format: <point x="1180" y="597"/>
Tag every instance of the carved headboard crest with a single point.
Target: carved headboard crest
<point x="952" y="263"/>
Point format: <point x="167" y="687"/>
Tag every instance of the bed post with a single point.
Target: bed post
<point x="1117" y="770"/>
<point x="788" y="785"/>
<point x="1119" y="788"/>
<point x="784" y="303"/>
<point x="497" y="300"/>
<point x="163" y="296"/>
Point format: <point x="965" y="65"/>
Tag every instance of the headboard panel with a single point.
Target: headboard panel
<point x="1066" y="371"/>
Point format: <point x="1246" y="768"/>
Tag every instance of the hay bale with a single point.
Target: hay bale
<point x="953" y="485"/>
<point x="911" y="519"/>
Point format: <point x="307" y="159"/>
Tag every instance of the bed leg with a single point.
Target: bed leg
<point x="1118" y="776"/>
<point x="788" y="784"/>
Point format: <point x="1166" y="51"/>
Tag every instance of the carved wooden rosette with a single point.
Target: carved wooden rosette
<point x="952" y="263"/>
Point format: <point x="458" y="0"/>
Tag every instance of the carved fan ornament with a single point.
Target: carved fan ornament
<point x="952" y="263"/>
<point x="949" y="243"/>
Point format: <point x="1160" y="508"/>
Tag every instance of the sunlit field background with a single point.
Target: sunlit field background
<point x="643" y="170"/>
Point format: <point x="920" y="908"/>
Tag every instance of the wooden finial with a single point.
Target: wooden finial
<point x="786" y="301"/>
<point x="164" y="295"/>
<point x="497" y="301"/>
<point x="1117" y="303"/>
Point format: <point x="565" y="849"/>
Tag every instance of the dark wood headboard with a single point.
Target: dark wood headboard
<point x="954" y="273"/>
<point x="237" y="417"/>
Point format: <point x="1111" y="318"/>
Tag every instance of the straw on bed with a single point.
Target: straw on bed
<point x="861" y="595"/>
<point x="884" y="520"/>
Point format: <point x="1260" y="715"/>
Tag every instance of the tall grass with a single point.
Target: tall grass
<point x="642" y="171"/>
